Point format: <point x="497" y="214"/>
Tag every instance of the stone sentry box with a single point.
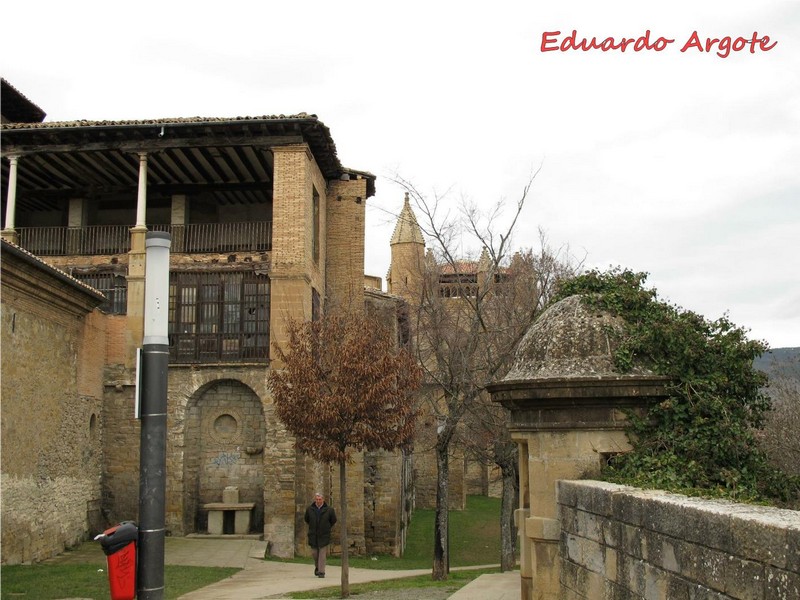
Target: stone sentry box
<point x="229" y="516"/>
<point x="568" y="405"/>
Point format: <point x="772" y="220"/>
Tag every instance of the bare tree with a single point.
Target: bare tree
<point x="519" y="295"/>
<point x="779" y="437"/>
<point x="488" y="441"/>
<point x="345" y="386"/>
<point x="469" y="318"/>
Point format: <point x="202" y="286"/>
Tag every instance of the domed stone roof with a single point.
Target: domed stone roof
<point x="570" y="340"/>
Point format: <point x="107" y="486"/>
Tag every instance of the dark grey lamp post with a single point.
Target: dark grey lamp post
<point x="153" y="414"/>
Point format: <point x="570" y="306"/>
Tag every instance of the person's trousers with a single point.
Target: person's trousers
<point x="319" y="559"/>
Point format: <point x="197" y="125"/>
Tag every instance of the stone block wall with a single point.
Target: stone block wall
<point x="42" y="517"/>
<point x="355" y="505"/>
<point x="51" y="418"/>
<point x="120" y="446"/>
<point x="223" y="446"/>
<point x="425" y="470"/>
<point x="618" y="542"/>
<point x="388" y="501"/>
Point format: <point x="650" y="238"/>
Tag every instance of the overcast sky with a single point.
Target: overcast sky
<point x="682" y="164"/>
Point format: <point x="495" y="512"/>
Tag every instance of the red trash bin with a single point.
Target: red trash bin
<point x="119" y="546"/>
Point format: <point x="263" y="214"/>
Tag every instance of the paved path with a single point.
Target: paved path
<point x="260" y="579"/>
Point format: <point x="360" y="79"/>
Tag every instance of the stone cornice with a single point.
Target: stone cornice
<point x="577" y="403"/>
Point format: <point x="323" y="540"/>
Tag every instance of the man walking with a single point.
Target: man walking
<point x="320" y="519"/>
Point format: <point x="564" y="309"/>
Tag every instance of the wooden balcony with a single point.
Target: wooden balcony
<point x="218" y="347"/>
<point x="115" y="239"/>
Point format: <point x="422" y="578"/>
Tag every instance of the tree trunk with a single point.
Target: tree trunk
<point x="508" y="533"/>
<point x="441" y="546"/>
<point x="343" y="526"/>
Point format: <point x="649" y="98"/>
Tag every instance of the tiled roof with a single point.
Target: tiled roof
<point x="160" y="121"/>
<point x="460" y="267"/>
<point x="22" y="137"/>
<point x="58" y="273"/>
<point x="16" y="105"/>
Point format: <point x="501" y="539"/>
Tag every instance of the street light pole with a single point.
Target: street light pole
<point x="153" y="414"/>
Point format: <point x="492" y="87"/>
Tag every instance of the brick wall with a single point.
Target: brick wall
<point x="620" y="542"/>
<point x="293" y="270"/>
<point x="345" y="241"/>
<point x="297" y="178"/>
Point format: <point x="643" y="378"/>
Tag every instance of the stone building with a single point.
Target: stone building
<point x="266" y="225"/>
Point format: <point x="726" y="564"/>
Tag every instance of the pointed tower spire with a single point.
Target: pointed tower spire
<point x="407" y="229"/>
<point x="408" y="255"/>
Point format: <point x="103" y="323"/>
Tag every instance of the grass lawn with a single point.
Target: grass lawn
<point x="50" y="581"/>
<point x="474" y="540"/>
<point x="455" y="581"/>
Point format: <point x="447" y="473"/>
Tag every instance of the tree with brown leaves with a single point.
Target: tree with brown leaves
<point x="344" y="387"/>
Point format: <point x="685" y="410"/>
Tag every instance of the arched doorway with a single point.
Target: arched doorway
<point x="224" y="446"/>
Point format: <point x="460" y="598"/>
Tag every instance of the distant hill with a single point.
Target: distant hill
<point x="783" y="361"/>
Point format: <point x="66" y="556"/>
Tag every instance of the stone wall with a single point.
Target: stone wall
<point x="222" y="430"/>
<point x="223" y="446"/>
<point x="425" y="469"/>
<point x="482" y="479"/>
<point x="619" y="542"/>
<point x="51" y="415"/>
<point x="388" y="501"/>
<point x="120" y="499"/>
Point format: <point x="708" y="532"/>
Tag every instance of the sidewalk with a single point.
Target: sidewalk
<point x="262" y="579"/>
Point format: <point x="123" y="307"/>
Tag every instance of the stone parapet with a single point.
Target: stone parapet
<point x="622" y="542"/>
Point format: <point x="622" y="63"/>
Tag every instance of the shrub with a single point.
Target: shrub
<point x="703" y="434"/>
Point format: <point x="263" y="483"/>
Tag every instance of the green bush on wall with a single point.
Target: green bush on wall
<point x="704" y="434"/>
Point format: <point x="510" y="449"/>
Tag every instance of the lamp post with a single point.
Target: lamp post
<point x="153" y="414"/>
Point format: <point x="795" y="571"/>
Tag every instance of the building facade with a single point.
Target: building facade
<point x="266" y="225"/>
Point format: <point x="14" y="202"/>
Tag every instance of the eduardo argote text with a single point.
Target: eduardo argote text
<point x="723" y="46"/>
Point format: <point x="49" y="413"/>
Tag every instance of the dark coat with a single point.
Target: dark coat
<point x="320" y="521"/>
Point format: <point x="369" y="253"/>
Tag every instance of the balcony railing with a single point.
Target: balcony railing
<point x="116" y="239"/>
<point x="218" y="347"/>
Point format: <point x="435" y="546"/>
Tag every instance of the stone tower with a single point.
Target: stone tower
<point x="410" y="266"/>
<point x="408" y="256"/>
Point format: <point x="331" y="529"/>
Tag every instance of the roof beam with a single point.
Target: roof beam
<point x="17" y="146"/>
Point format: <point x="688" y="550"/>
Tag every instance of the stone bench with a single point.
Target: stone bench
<point x="218" y="510"/>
